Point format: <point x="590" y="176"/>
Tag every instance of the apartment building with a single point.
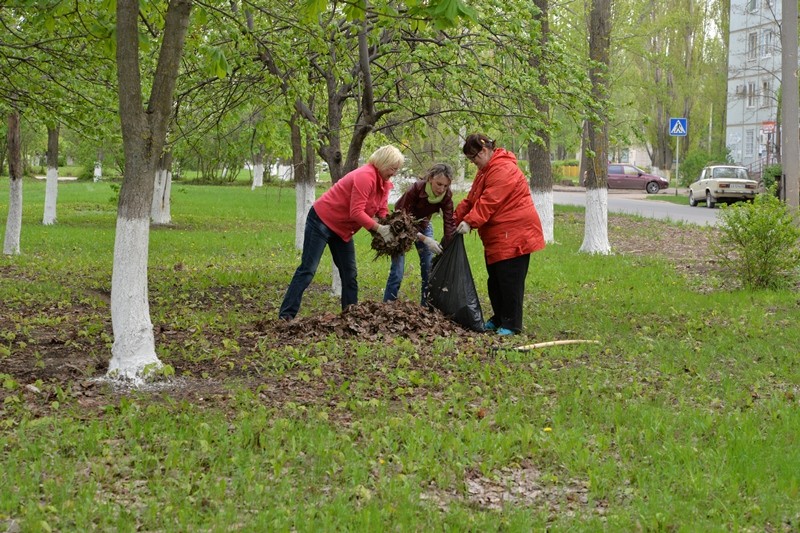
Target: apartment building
<point x="754" y="77"/>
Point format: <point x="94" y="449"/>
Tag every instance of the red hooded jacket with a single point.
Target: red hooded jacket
<point x="500" y="206"/>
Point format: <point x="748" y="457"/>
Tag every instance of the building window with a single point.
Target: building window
<point x="752" y="96"/>
<point x="752" y="45"/>
<point x="749" y="142"/>
<point x="766" y="96"/>
<point x="766" y="43"/>
<point x="751" y="5"/>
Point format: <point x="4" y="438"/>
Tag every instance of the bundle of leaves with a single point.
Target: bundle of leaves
<point x="404" y="231"/>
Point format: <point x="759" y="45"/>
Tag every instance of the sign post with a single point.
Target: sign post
<point x="677" y="128"/>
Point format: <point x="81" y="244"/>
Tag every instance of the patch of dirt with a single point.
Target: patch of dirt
<point x="523" y="485"/>
<point x="688" y="247"/>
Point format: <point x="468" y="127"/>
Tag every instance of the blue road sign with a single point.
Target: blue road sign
<point x="677" y="127"/>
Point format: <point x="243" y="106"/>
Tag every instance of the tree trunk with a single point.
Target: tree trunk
<point x="303" y="161"/>
<point x="144" y="134"/>
<point x="162" y="191"/>
<point x="51" y="188"/>
<point x="98" y="167"/>
<point x="258" y="168"/>
<point x="595" y="239"/>
<point x="541" y="180"/>
<point x="790" y="149"/>
<point x="14" y="217"/>
<point x="540" y="167"/>
<point x="462" y="160"/>
<point x="583" y="164"/>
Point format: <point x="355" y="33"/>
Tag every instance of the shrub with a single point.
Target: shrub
<point x="760" y="243"/>
<point x="771" y="175"/>
<point x="695" y="161"/>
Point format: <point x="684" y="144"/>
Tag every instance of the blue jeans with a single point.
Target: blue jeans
<point x="315" y="238"/>
<point x="399" y="265"/>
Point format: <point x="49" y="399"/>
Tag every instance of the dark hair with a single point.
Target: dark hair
<point x="475" y="143"/>
<point x="439" y="168"/>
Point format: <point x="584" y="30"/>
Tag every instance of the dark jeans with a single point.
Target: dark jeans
<point x="315" y="238"/>
<point x="506" y="288"/>
<point x="398" y="267"/>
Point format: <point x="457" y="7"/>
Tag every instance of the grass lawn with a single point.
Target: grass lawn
<point x="681" y="199"/>
<point x="684" y="417"/>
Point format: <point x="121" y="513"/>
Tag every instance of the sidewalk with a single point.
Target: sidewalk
<point x="682" y="191"/>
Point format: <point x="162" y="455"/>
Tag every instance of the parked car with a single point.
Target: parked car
<point x="722" y="183"/>
<point x="625" y="176"/>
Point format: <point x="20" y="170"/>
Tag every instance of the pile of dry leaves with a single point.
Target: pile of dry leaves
<point x="371" y="320"/>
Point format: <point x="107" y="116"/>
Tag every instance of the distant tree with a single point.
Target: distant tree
<point x="11" y="243"/>
<point x="51" y="188"/>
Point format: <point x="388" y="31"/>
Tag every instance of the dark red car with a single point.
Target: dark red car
<point x="626" y="176"/>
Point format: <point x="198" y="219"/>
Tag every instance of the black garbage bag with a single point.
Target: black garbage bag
<point x="451" y="288"/>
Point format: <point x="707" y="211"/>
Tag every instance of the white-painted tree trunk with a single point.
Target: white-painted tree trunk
<point x="595" y="232"/>
<point x="336" y="282"/>
<point x="133" y="354"/>
<point x="98" y="171"/>
<point x="305" y="194"/>
<point x="462" y="161"/>
<point x="14" y="218"/>
<point x="144" y="129"/>
<point x="50" y="197"/>
<point x="543" y="201"/>
<point x="160" y="212"/>
<point x="258" y="176"/>
<point x="158" y="191"/>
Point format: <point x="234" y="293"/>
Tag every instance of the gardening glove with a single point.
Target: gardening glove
<point x="430" y="243"/>
<point x="463" y="228"/>
<point x="385" y="232"/>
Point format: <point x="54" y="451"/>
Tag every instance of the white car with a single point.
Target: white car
<point x="722" y="183"/>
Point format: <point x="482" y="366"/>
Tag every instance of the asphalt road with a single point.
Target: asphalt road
<point x="634" y="203"/>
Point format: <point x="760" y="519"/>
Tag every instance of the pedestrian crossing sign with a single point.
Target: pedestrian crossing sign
<point x="677" y="127"/>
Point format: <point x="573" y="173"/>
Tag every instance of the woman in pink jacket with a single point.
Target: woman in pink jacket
<point x="354" y="202"/>
<point x="500" y="207"/>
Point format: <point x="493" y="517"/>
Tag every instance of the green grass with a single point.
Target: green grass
<point x="684" y="418"/>
<point x="680" y="198"/>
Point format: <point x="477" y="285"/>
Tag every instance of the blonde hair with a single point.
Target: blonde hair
<point x="387" y="157"/>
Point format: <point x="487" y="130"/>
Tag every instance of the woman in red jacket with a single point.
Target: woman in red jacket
<point x="500" y="207"/>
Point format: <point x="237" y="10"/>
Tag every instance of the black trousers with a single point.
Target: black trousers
<point x="507" y="290"/>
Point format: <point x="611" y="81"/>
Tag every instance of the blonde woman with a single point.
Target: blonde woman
<point x="354" y="202"/>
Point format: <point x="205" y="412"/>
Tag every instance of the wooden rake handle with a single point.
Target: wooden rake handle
<point x="529" y="347"/>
